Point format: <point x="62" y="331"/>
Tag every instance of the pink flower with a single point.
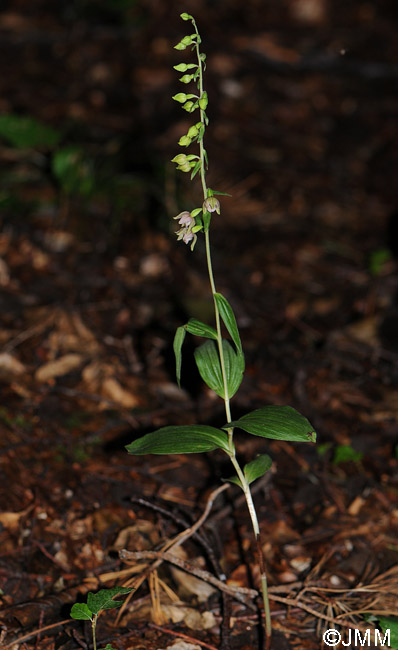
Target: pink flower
<point x="211" y="204"/>
<point x="187" y="220"/>
<point x="189" y="236"/>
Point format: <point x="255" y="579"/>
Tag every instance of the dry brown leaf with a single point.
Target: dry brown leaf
<point x="72" y="335"/>
<point x="4" y="273"/>
<point x="10" y="367"/>
<point x="113" y="390"/>
<point x="181" y="645"/>
<point x="10" y="520"/>
<point x="192" y="618"/>
<point x="141" y="536"/>
<point x="59" y="367"/>
<point x="188" y="583"/>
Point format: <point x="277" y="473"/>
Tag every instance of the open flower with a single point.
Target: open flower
<point x="187" y="221"/>
<point x="211" y="204"/>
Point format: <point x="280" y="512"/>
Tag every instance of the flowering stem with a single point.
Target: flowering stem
<point x="93" y="626"/>
<point x="232" y="454"/>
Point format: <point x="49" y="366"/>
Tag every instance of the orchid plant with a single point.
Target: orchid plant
<point x="220" y="361"/>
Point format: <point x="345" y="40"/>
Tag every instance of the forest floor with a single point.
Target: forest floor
<point x="303" y="135"/>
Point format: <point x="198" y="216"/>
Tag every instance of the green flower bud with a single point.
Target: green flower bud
<point x="203" y="101"/>
<point x="188" y="106"/>
<point x="184" y="141"/>
<point x="180" y="97"/>
<point x="193" y="132"/>
<point x="187" y="40"/>
<point x="180" y="46"/>
<point x="186" y="16"/>
<point x="186" y="167"/>
<point x="186" y="78"/>
<point x="180" y="159"/>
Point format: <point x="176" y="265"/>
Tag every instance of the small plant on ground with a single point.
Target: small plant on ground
<point x="97" y="603"/>
<point x="220" y="361"/>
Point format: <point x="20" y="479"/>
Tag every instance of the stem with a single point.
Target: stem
<point x="93" y="624"/>
<point x="232" y="454"/>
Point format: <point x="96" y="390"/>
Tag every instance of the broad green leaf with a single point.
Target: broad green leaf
<point x="257" y="467"/>
<point x="390" y="623"/>
<point x="229" y="319"/>
<point x="109" y="647"/>
<point x="27" y="132"/>
<point x="103" y="599"/>
<point x="81" y="612"/>
<point x="185" y="439"/>
<point x="74" y="171"/>
<point x="198" y="328"/>
<point x="208" y="362"/>
<point x="277" y="423"/>
<point x="177" y="345"/>
<point x="234" y="367"/>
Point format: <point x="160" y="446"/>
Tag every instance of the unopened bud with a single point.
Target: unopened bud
<point x="184" y="141"/>
<point x="180" y="159"/>
<point x="193" y="131"/>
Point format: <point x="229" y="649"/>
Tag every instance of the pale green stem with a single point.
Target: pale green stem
<point x="239" y="472"/>
<point x="93" y="624"/>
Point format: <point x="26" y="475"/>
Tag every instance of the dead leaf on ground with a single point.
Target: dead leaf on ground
<point x="10" y="520"/>
<point x="59" y="367"/>
<point x="189" y="584"/>
<point x="10" y="367"/>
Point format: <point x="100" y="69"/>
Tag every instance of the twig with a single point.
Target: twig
<point x="182" y="636"/>
<point x="39" y="631"/>
<point x="237" y="592"/>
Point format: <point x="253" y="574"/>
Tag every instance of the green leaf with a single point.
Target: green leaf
<point x="257" y="467"/>
<point x="215" y="193"/>
<point x="390" y="623"/>
<point x="277" y="423"/>
<point x="177" y="345"/>
<point x="81" y="612"/>
<point x="208" y="362"/>
<point x="206" y="220"/>
<point x="103" y="599"/>
<point x="195" y="171"/>
<point x="198" y="328"/>
<point x="233" y="479"/>
<point x="74" y="171"/>
<point x="27" y="132"/>
<point x="185" y="439"/>
<point x="229" y="319"/>
<point x="346" y="453"/>
<point x="109" y="647"/>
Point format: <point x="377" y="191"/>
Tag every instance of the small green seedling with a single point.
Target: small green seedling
<point x="345" y="454"/>
<point x="97" y="603"/>
<point x="220" y="361"/>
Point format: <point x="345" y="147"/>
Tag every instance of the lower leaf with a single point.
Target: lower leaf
<point x="185" y="439"/>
